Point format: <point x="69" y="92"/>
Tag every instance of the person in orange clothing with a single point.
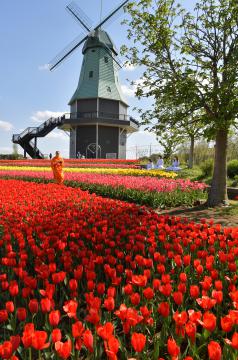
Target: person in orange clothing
<point x="57" y="164"/>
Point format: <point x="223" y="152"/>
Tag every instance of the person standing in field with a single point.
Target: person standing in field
<point x="57" y="164"/>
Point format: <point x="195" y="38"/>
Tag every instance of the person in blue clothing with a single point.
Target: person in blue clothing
<point x="150" y="165"/>
<point x="175" y="165"/>
<point x="160" y="163"/>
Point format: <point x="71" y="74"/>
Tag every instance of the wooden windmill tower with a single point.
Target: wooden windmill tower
<point x="98" y="121"/>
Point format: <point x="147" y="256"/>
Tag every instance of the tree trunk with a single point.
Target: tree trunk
<point x="191" y="152"/>
<point x="218" y="192"/>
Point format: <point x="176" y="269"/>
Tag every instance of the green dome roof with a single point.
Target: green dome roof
<point x="99" y="38"/>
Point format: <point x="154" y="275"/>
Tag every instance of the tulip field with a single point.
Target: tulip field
<point x="154" y="188"/>
<point x="86" y="277"/>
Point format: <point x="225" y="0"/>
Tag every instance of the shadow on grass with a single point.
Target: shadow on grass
<point x="226" y="216"/>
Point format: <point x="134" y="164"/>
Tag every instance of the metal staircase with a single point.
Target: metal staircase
<point x="25" y="138"/>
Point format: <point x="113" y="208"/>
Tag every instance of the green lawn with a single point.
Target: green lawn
<point x="196" y="174"/>
<point x="231" y="210"/>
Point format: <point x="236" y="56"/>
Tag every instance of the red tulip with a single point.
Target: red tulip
<point x="135" y="298"/>
<point x="93" y="316"/>
<point x="9" y="306"/>
<point x="63" y="349"/>
<point x="56" y="335"/>
<point x="112" y="347"/>
<point x="54" y="317"/>
<point x="33" y="306"/>
<point x="109" y="303"/>
<point x="128" y="289"/>
<point x="138" y="341"/>
<point x="209" y="321"/>
<point x="234" y="341"/>
<point x="70" y="308"/>
<point x="101" y="288"/>
<point x="45" y="305"/>
<point x="148" y="293"/>
<point x="226" y="323"/>
<point x="88" y="340"/>
<point x="206" y="303"/>
<point x="21" y="314"/>
<point x="28" y="335"/>
<point x="15" y="340"/>
<point x="139" y="280"/>
<point x="164" y="309"/>
<point x="111" y="291"/>
<point x="58" y="277"/>
<point x="173" y="348"/>
<point x="77" y="329"/>
<point x="73" y="285"/>
<point x="39" y="340"/>
<point x="13" y="288"/>
<point x="3" y="315"/>
<point x="178" y="297"/>
<point x="105" y="331"/>
<point x="6" y="350"/>
<point x="194" y="291"/>
<point x="214" y="351"/>
<point x="191" y="329"/>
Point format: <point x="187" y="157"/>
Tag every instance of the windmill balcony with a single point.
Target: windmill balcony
<point x="81" y="118"/>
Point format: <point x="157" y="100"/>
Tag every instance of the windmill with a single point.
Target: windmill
<point x="98" y="120"/>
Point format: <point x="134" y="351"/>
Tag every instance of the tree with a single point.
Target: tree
<point x="170" y="140"/>
<point x="190" y="61"/>
<point x="178" y="131"/>
<point x="15" y="154"/>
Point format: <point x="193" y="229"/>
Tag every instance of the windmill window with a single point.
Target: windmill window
<point x="109" y="89"/>
<point x="93" y="50"/>
<point x="90" y="74"/>
<point x="106" y="59"/>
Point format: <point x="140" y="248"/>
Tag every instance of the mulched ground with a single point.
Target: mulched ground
<point x="219" y="215"/>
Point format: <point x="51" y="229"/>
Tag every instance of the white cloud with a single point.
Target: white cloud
<point x="129" y="67"/>
<point x="41" y="116"/>
<point x="58" y="134"/>
<point x="128" y="90"/>
<point x="44" y="67"/>
<point x="142" y="143"/>
<point x="5" y="126"/>
<point x="5" y="150"/>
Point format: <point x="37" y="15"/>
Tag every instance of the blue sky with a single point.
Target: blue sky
<point x="31" y="34"/>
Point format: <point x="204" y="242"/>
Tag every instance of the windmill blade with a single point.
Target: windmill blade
<point x="111" y="15"/>
<point x="68" y="50"/>
<point x="79" y="16"/>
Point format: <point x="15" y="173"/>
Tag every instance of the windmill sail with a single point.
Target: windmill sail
<point x="67" y="51"/>
<point x="79" y="15"/>
<point x="84" y="21"/>
<point x="112" y="15"/>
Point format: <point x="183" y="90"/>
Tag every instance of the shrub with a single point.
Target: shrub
<point x="207" y="167"/>
<point x="232" y="168"/>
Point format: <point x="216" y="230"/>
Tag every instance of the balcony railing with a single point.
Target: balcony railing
<point x="100" y="115"/>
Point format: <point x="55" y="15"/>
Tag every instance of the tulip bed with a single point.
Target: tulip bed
<point x="153" y="188"/>
<point x="151" y="191"/>
<point x="70" y="162"/>
<point x="92" y="170"/>
<point x="76" y="163"/>
<point x="84" y="277"/>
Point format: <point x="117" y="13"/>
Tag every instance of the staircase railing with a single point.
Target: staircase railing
<point x="25" y="137"/>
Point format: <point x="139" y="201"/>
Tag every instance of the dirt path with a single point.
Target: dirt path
<point x="224" y="216"/>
